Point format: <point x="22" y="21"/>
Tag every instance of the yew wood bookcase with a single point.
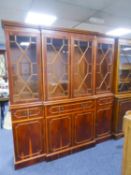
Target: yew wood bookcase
<point x="61" y="90"/>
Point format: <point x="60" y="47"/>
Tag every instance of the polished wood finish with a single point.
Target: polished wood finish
<point x="68" y="105"/>
<point x="103" y="122"/>
<point x="28" y="124"/>
<point x="122" y="84"/>
<point x="11" y="24"/>
<point x="122" y="104"/>
<point x="83" y="128"/>
<point x="59" y="133"/>
<point x="25" y="134"/>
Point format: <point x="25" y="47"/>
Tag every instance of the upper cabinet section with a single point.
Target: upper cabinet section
<point x="104" y="65"/>
<point x="57" y="65"/>
<point x="124" y="68"/>
<point x="24" y="66"/>
<point x="82" y="65"/>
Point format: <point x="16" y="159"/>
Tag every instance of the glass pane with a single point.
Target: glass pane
<point x="104" y="67"/>
<point x="125" y="69"/>
<point x="2" y="66"/>
<point x="82" y="78"/>
<point x="57" y="68"/>
<point x="24" y="68"/>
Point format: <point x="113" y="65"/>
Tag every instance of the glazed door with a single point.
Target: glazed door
<point x="57" y="65"/>
<point x="124" y="73"/>
<point x="104" y="65"/>
<point x="24" y="65"/>
<point x="82" y="65"/>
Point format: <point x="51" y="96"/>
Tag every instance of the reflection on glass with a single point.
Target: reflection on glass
<point x="24" y="68"/>
<point x="103" y="67"/>
<point x="82" y="78"/>
<point x="125" y="69"/>
<point x="2" y="65"/>
<point x="57" y="68"/>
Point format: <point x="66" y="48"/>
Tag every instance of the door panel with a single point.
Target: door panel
<point x="59" y="133"/>
<point x="104" y="65"/>
<point x="24" y="66"/>
<point x="83" y="127"/>
<point x="82" y="65"/>
<point x="103" y="121"/>
<point x="57" y="64"/>
<point x="124" y="105"/>
<point x="29" y="139"/>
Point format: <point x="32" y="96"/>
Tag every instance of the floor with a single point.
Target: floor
<point x="103" y="159"/>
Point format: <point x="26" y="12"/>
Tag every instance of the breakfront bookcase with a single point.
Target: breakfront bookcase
<point x="61" y="96"/>
<point x="122" y="84"/>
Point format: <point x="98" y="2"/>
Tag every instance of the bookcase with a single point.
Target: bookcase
<point x="61" y="90"/>
<point x="122" y="84"/>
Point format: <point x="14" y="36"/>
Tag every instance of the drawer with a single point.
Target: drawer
<point x="86" y="105"/>
<point x="70" y="107"/>
<point x="35" y="111"/>
<point x="56" y="109"/>
<point x="20" y="113"/>
<point x="26" y="113"/>
<point x="104" y="101"/>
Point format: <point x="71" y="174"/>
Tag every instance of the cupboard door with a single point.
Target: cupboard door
<point x="124" y="105"/>
<point x="83" y="127"/>
<point x="103" y="121"/>
<point x="82" y="70"/>
<point x="59" y="133"/>
<point x="28" y="139"/>
<point x="24" y="66"/>
<point x="57" y="65"/>
<point x="104" y="65"/>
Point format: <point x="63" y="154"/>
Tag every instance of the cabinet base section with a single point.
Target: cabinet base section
<point x="29" y="161"/>
<point x="117" y="135"/>
<point x="103" y="138"/>
<point x="74" y="149"/>
<point x="83" y="146"/>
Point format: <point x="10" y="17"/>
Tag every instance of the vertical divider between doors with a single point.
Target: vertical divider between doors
<point x="94" y="64"/>
<point x="7" y="34"/>
<point x="44" y="71"/>
<point x="43" y="58"/>
<point x="40" y="65"/>
<point x="94" y="80"/>
<point x="117" y="62"/>
<point x="71" y="67"/>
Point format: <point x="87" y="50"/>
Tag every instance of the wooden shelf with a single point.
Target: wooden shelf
<point x="125" y="67"/>
<point x="125" y="81"/>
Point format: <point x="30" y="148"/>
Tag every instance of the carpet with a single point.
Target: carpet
<point x="103" y="159"/>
